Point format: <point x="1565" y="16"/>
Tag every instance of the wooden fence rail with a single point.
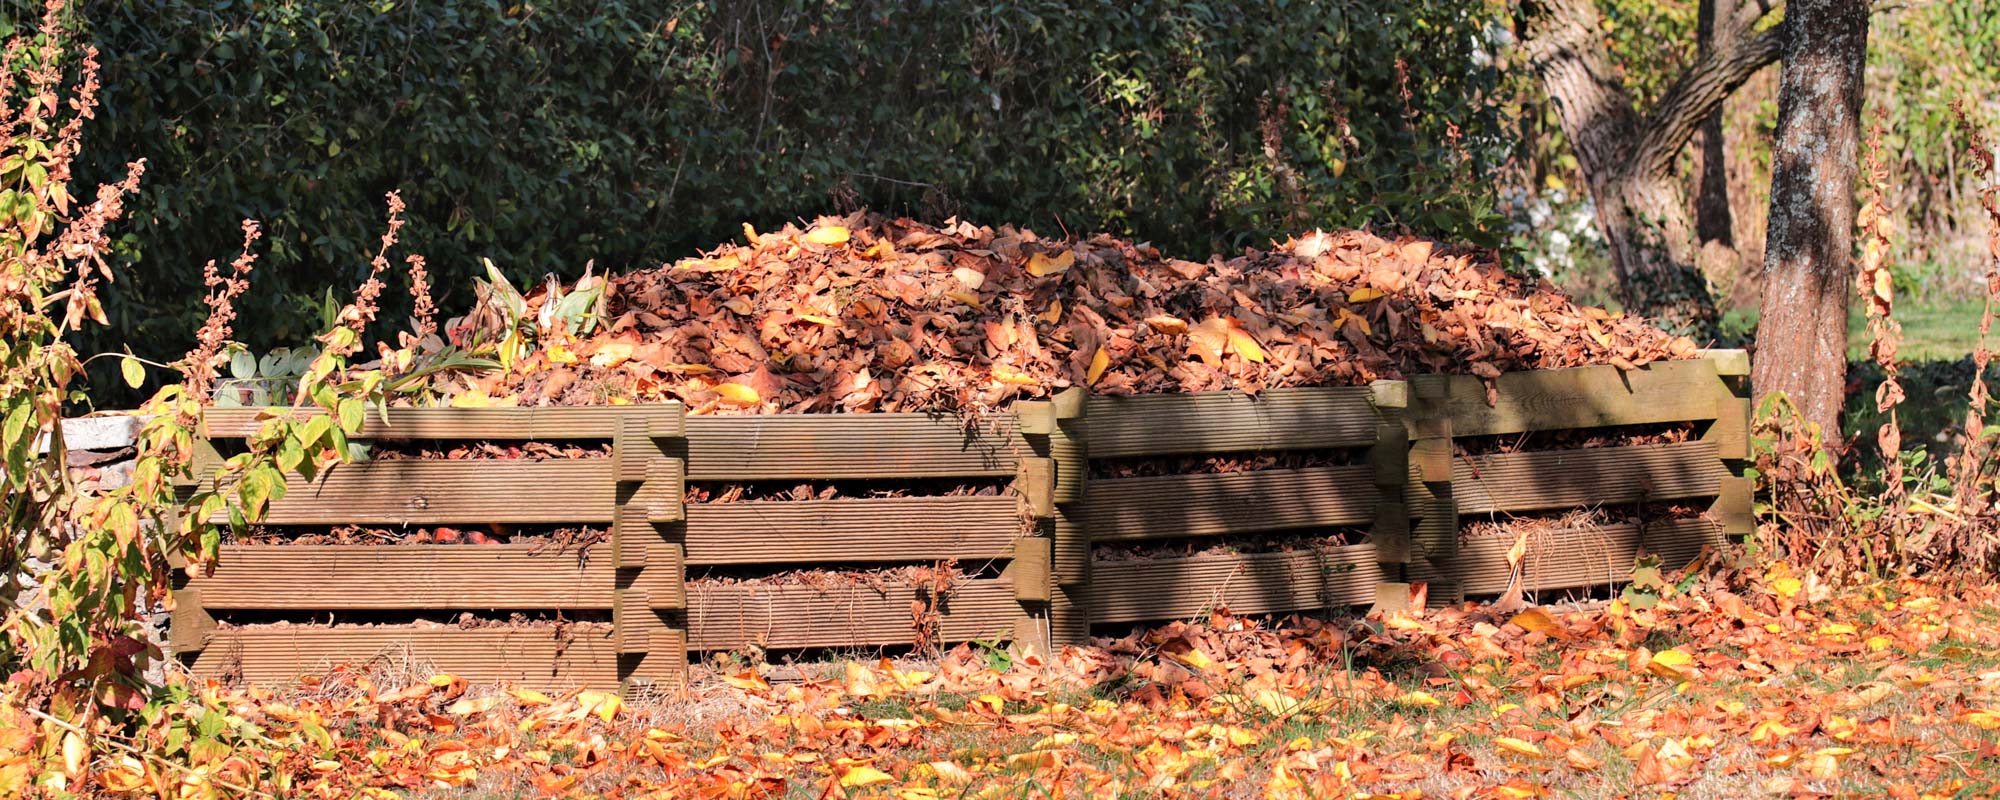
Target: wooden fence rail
<point x="1045" y="556"/>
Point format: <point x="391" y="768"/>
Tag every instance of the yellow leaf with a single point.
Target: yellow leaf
<point x="967" y="298"/>
<point x="1098" y="363"/>
<point x="469" y="706"/>
<point x="748" y="680"/>
<point x="1041" y="265"/>
<point x="828" y="235"/>
<point x="559" y="354"/>
<point x="1420" y="699"/>
<point x="611" y="354"/>
<point x="1837" y="629"/>
<point x="1672" y="664"/>
<point x="1055" y="740"/>
<point x="738" y="394"/>
<point x="1011" y="376"/>
<point x="864" y="776"/>
<point x="76" y="754"/>
<point x="827" y="321"/>
<point x="1981" y="718"/>
<point x="604" y="705"/>
<point x="1539" y="621"/>
<point x="530" y="697"/>
<point x="1209" y="339"/>
<point x="990" y="703"/>
<point x="723" y="264"/>
<point x="1517" y="747"/>
<point x="476" y="398"/>
<point x="860" y="681"/>
<point x="1054" y="314"/>
<point x="444" y="679"/>
<point x="1364" y="294"/>
<point x="1195" y="658"/>
<point x="1244" y="345"/>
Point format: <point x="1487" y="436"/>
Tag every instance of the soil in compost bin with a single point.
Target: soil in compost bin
<point x="868" y="313"/>
<point x="1223" y="463"/>
<point x="1280" y="542"/>
<point x="1575" y="439"/>
<point x="423" y="450"/>
<point x="555" y="540"/>
<point x="743" y="492"/>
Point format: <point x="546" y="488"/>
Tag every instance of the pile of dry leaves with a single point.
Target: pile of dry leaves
<point x="872" y="314"/>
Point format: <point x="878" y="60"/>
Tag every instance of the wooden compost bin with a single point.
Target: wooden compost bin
<point x="1406" y="491"/>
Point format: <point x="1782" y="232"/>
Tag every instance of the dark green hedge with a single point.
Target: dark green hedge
<point x="546" y="134"/>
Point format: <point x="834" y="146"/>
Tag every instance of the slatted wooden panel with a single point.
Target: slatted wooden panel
<point x="883" y="529"/>
<point x="451" y="493"/>
<point x="529" y="424"/>
<point x="730" y="617"/>
<point x="532" y="656"/>
<point x="903" y="445"/>
<point x="1568" y="559"/>
<point x="364" y="577"/>
<point x="1214" y="422"/>
<point x="1169" y="506"/>
<point x="1585" y="397"/>
<point x="1587" y="477"/>
<point x="1257" y="583"/>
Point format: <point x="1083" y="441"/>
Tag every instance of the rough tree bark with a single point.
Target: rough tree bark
<point x="1808" y="255"/>
<point x="1712" y="220"/>
<point x="1627" y="160"/>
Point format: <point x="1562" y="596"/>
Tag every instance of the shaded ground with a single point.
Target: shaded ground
<point x="1766" y="683"/>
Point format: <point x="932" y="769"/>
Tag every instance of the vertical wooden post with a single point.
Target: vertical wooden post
<point x="1436" y="535"/>
<point x="1733" y="507"/>
<point x="1390" y="457"/>
<point x="646" y="547"/>
<point x="1055" y="428"/>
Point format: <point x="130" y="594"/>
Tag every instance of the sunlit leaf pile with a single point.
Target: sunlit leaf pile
<point x="1768" y="683"/>
<point x="869" y="314"/>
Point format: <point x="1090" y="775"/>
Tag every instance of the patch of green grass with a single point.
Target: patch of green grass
<point x="1943" y="330"/>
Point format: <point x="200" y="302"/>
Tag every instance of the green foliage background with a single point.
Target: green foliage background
<point x="547" y="134"/>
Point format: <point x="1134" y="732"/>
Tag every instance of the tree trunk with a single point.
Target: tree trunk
<point x="1808" y="257"/>
<point x="1627" y="160"/>
<point x="1712" y="221"/>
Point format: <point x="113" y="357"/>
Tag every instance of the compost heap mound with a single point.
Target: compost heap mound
<point x="866" y="313"/>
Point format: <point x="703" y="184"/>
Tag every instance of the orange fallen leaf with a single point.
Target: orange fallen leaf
<point x="1041" y="265"/>
<point x="828" y="235"/>
<point x="738" y="394"/>
<point x="1098" y="363"/>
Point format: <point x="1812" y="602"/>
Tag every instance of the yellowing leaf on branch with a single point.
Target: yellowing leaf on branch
<point x="1042" y="265"/>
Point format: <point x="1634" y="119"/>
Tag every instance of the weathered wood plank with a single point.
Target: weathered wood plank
<point x="1256" y="583"/>
<point x="1171" y="506"/>
<point x="1570" y="559"/>
<point x="850" y="530"/>
<point x="533" y="424"/>
<point x="1588" y="477"/>
<point x="535" y="656"/>
<point x="1215" y="422"/>
<point x="1030" y="570"/>
<point x="456" y="577"/>
<point x="729" y="617"/>
<point x="1585" y="397"/>
<point x="451" y="492"/>
<point x="902" y="445"/>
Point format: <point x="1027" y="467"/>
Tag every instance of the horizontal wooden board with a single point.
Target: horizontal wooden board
<point x="1585" y="397"/>
<point x="1217" y="422"/>
<point x="457" y="492"/>
<point x="1169" y="506"/>
<point x="879" y="529"/>
<point x="900" y="445"/>
<point x="538" y="424"/>
<point x="1256" y="583"/>
<point x="788" y="617"/>
<point x="533" y="656"/>
<point x="443" y="576"/>
<point x="1587" y="477"/>
<point x="1570" y="559"/>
